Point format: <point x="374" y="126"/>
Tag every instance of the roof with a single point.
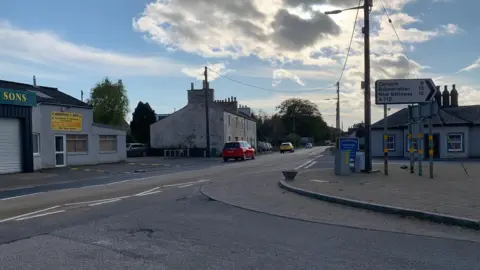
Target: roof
<point x="45" y="95"/>
<point x="108" y="127"/>
<point x="462" y="115"/>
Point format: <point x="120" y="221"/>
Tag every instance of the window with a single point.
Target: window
<point x="36" y="143"/>
<point x="391" y="142"/>
<point x="414" y="144"/>
<point x="108" y="143"/>
<point x="229" y="138"/>
<point x="455" y="142"/>
<point x="77" y="143"/>
<point x="236" y="123"/>
<point x="229" y="120"/>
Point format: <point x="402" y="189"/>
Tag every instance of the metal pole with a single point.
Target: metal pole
<point x="366" y="33"/>
<point x="207" y="118"/>
<point x="338" y="107"/>
<point x="420" y="140"/>
<point x="410" y="138"/>
<point x="430" y="140"/>
<point x="385" y="138"/>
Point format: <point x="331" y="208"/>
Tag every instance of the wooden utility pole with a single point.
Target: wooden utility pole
<point x="207" y="118"/>
<point x="337" y="125"/>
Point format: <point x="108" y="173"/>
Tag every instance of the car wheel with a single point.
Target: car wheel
<point x="281" y="152"/>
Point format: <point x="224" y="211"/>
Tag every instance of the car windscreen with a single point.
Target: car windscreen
<point x="231" y="145"/>
<point x="285" y="144"/>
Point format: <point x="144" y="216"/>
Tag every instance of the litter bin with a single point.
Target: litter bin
<point x="359" y="161"/>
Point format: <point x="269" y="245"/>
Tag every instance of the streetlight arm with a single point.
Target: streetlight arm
<point x="342" y="10"/>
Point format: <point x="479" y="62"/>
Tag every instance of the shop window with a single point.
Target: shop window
<point x="108" y="143"/>
<point x="455" y="142"/>
<point x="77" y="143"/>
<point x="36" y="143"/>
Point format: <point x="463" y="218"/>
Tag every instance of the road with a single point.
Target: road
<point x="163" y="221"/>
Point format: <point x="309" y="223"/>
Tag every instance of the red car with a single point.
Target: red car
<point x="238" y="150"/>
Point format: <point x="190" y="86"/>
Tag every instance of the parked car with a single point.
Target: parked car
<point x="269" y="147"/>
<point x="287" y="147"/>
<point x="308" y="145"/>
<point x="136" y="150"/>
<point x="238" y="150"/>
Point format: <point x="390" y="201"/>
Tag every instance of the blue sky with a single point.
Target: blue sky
<point x="158" y="47"/>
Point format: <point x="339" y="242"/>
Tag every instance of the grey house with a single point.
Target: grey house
<point x="455" y="130"/>
<point x="186" y="128"/>
<point x="57" y="130"/>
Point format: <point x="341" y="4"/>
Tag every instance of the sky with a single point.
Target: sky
<point x="259" y="51"/>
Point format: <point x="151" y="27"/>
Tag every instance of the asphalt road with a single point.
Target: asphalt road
<point x="169" y="224"/>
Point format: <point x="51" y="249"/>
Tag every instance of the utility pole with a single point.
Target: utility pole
<point x="337" y="126"/>
<point x="207" y="118"/>
<point x="367" y="110"/>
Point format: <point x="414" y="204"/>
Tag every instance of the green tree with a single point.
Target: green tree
<point x="143" y="116"/>
<point x="110" y="102"/>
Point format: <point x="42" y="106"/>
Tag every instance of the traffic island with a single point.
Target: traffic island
<point x="450" y="198"/>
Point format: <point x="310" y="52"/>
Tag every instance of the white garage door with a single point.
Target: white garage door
<point x="10" y="148"/>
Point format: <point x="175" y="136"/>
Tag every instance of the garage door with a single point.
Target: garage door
<point x="10" y="148"/>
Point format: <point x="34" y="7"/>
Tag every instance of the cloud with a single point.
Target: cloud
<point x="50" y="51"/>
<point x="280" y="74"/>
<point x="473" y="66"/>
<point x="198" y="73"/>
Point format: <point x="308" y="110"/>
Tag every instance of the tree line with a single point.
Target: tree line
<point x="296" y="118"/>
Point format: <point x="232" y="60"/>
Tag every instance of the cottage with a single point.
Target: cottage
<point x="454" y="130"/>
<point x="42" y="127"/>
<point x="186" y="128"/>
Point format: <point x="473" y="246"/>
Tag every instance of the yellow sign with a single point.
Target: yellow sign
<point x="66" y="121"/>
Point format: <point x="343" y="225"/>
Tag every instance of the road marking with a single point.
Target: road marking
<point x="310" y="165"/>
<point x="16" y="197"/>
<point x="96" y="201"/>
<point x="320" y="181"/>
<point x="187" y="183"/>
<point x="99" y="203"/>
<point x="148" y="191"/>
<point x="184" y="186"/>
<point x="31" y="213"/>
<point x="304" y="164"/>
<point x="40" y="215"/>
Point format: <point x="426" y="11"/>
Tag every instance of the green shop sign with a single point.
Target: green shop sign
<point x="17" y="97"/>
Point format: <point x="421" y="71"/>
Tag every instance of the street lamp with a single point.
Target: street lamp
<point x="366" y="32"/>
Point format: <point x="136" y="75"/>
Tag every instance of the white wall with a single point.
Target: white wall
<point x="240" y="127"/>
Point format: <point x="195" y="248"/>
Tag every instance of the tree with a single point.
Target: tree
<point x="110" y="102"/>
<point x="143" y="116"/>
<point x="302" y="117"/>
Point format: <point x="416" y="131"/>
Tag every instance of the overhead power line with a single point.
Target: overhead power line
<point x="350" y="44"/>
<point x="269" y="89"/>
<point x="398" y="38"/>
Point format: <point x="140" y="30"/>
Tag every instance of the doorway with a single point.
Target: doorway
<point x="436" y="146"/>
<point x="60" y="151"/>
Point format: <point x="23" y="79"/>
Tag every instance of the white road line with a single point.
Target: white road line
<point x="184" y="186"/>
<point x="99" y="203"/>
<point x="310" y="165"/>
<point x="181" y="184"/>
<point x="16" y="197"/>
<point x="40" y="215"/>
<point x="28" y="214"/>
<point x="320" y="181"/>
<point x="304" y="164"/>
<point x="96" y="201"/>
<point x="148" y="191"/>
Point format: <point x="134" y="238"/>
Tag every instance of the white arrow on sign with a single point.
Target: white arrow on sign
<point x="404" y="91"/>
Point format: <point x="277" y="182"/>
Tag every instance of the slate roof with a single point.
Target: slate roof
<point x="462" y="115"/>
<point x="45" y="95"/>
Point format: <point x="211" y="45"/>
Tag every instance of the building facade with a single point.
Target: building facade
<point x="52" y="129"/>
<point x="454" y="131"/>
<point x="186" y="128"/>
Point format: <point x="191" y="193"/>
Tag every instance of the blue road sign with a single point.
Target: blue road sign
<point x="351" y="145"/>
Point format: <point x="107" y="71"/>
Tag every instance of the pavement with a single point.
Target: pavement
<point x="452" y="192"/>
<point x="160" y="221"/>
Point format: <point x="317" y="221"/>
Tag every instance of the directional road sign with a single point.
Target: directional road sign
<point x="404" y="91"/>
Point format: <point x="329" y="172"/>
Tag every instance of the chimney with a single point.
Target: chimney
<point x="454" y="97"/>
<point x="446" y="97"/>
<point x="438" y="97"/>
<point x="34" y="81"/>
<point x="191" y="86"/>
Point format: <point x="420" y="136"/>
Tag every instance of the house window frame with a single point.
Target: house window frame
<point x="407" y="143"/>
<point x="100" y="144"/>
<point x="75" y="137"/>
<point x="394" y="142"/>
<point x="462" y="142"/>
<point x="36" y="138"/>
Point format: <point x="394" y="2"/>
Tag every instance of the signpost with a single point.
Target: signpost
<point x="351" y="145"/>
<point x="404" y="91"/>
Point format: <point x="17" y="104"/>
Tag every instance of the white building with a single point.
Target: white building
<point x="186" y="128"/>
